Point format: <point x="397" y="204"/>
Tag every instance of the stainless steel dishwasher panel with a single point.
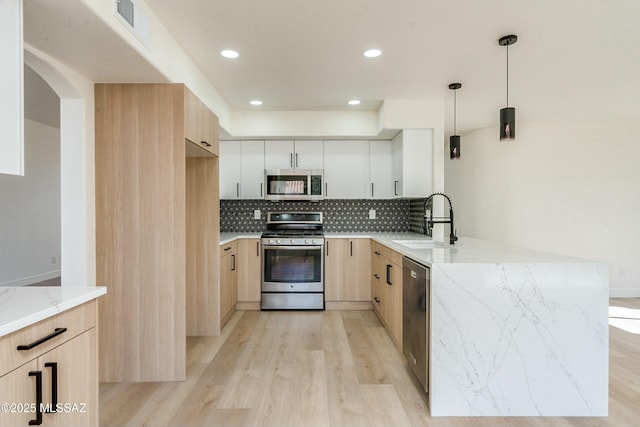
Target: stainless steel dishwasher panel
<point x="415" y="318"/>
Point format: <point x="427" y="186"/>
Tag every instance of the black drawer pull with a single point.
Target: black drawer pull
<point x="228" y="249"/>
<point x="389" y="274"/>
<point x="55" y="333"/>
<point x="205" y="143"/>
<point x="38" y="420"/>
<point x="376" y="299"/>
<point x="376" y="252"/>
<point x="377" y="276"/>
<point x="54" y="385"/>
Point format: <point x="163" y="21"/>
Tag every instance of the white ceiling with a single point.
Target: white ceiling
<point x="575" y="59"/>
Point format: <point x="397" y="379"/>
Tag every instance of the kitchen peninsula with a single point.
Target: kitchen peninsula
<point x="514" y="332"/>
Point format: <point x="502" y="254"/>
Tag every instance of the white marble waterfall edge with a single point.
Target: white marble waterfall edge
<point x="519" y="339"/>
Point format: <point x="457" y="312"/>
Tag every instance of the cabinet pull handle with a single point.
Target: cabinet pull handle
<point x="38" y="420"/>
<point x="296" y="159"/>
<point x="372" y="189"/>
<point x="376" y="299"/>
<point x="291" y="159"/>
<point x="326" y="189"/>
<point x="351" y="248"/>
<point x="237" y="189"/>
<point x="389" y="274"/>
<point x="233" y="260"/>
<point x="55" y="333"/>
<point x="395" y="188"/>
<point x="205" y="143"/>
<point x="377" y="276"/>
<point x="376" y="252"/>
<point x="326" y="244"/>
<point x="227" y="249"/>
<point x="54" y="385"/>
<point x="261" y="187"/>
<point x="258" y="248"/>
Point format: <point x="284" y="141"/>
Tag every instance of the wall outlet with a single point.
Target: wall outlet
<point x="372" y="214"/>
<point x="257" y="214"/>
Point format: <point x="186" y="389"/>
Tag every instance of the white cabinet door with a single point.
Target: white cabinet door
<point x="380" y="166"/>
<point x="397" y="165"/>
<point x="230" y="169"/>
<point x="308" y="154"/>
<point x="252" y="170"/>
<point x="413" y="163"/>
<point x="11" y="88"/>
<point x="346" y="169"/>
<point x="278" y="154"/>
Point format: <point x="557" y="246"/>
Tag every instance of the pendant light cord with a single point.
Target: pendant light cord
<point x="455" y="108"/>
<point x="507" y="75"/>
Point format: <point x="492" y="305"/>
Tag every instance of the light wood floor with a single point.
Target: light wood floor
<point x="331" y="368"/>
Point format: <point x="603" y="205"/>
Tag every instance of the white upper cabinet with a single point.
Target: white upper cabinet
<point x="380" y="169"/>
<point x="346" y="169"/>
<point x="413" y="163"/>
<point x="252" y="170"/>
<point x="11" y="88"/>
<point x="290" y="154"/>
<point x="309" y="154"/>
<point x="230" y="161"/>
<point x="241" y="169"/>
<point x="278" y="154"/>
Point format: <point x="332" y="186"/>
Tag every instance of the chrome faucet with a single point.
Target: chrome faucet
<point x="429" y="220"/>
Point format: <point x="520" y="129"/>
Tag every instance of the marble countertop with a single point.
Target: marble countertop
<point x="22" y="306"/>
<point x="230" y="237"/>
<point x="466" y="249"/>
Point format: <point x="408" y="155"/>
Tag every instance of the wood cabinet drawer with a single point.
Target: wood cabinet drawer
<point x="75" y="320"/>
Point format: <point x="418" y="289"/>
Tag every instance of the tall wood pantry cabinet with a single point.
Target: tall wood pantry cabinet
<point x="157" y="228"/>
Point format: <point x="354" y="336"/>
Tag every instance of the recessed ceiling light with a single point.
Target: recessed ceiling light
<point x="228" y="53"/>
<point x="354" y="102"/>
<point x="372" y="53"/>
<point x="255" y="102"/>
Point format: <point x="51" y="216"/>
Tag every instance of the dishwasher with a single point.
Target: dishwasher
<point x="415" y="318"/>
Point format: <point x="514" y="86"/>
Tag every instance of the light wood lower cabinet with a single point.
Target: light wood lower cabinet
<point x="63" y="371"/>
<point x="386" y="289"/>
<point x="249" y="272"/>
<point x="347" y="270"/>
<point x="228" y="281"/>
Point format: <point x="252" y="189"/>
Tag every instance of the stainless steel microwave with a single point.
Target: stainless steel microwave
<point x="293" y="184"/>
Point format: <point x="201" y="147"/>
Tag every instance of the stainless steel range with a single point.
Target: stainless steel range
<point x="293" y="261"/>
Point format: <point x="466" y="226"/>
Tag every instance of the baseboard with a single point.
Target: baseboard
<point x="247" y="305"/>
<point x="32" y="279"/>
<point x="348" y="305"/>
<point x="624" y="292"/>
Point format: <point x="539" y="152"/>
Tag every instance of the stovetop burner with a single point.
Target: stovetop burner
<point x="292" y="233"/>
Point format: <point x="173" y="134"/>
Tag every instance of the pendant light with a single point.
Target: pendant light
<point x="454" y="140"/>
<point x="508" y="114"/>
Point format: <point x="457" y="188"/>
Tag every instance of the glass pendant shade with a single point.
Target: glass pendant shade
<point x="454" y="146"/>
<point x="507" y="123"/>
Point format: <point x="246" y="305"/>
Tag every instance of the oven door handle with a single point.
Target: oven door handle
<point x="303" y="247"/>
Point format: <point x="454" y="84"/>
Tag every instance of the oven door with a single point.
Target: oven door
<point x="292" y="269"/>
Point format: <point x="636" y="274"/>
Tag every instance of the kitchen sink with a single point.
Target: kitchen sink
<point x="419" y="244"/>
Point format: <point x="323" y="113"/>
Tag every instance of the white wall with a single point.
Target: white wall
<point x="30" y="214"/>
<point x="569" y="188"/>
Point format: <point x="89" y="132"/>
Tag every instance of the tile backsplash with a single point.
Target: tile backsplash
<point x="339" y="215"/>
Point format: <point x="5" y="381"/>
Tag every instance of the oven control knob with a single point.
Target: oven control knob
<point x="293" y="241"/>
<point x="271" y="242"/>
<point x="308" y="241"/>
<point x="278" y="241"/>
<point x="314" y="241"/>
